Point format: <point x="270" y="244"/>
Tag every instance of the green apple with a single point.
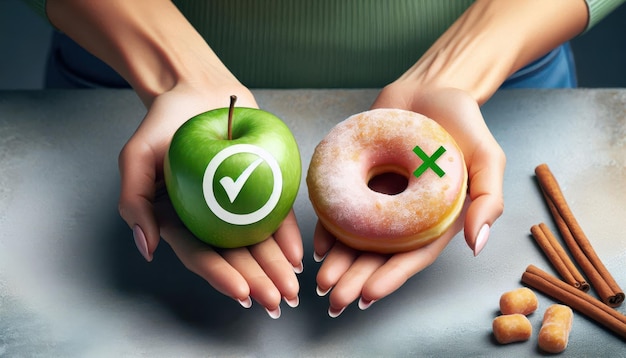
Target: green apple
<point x="233" y="175"/>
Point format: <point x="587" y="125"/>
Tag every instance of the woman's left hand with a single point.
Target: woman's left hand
<point x="352" y="274"/>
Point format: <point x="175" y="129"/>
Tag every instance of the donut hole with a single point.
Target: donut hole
<point x="388" y="180"/>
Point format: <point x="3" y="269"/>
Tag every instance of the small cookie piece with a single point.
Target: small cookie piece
<point x="522" y="300"/>
<point x="512" y="328"/>
<point x="555" y="328"/>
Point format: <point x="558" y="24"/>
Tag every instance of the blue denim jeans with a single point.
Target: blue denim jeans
<point x="554" y="70"/>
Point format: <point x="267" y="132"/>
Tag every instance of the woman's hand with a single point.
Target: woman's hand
<point x="176" y="75"/>
<point x="264" y="272"/>
<point x="460" y="71"/>
<point x="460" y="115"/>
<point x="352" y="274"/>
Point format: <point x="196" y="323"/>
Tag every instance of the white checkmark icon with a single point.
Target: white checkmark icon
<point x="233" y="187"/>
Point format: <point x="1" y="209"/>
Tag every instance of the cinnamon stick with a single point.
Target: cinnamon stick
<point x="558" y="257"/>
<point x="578" y="243"/>
<point x="576" y="299"/>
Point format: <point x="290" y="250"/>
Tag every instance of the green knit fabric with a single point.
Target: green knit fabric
<point x="321" y="43"/>
<point x="325" y="43"/>
<point x="599" y="9"/>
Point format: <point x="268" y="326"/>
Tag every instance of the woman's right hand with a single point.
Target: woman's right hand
<point x="264" y="272"/>
<point x="176" y="75"/>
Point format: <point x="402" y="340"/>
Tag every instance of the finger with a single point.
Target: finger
<point x="484" y="159"/>
<point x="276" y="266"/>
<point x="351" y="283"/>
<point x="138" y="176"/>
<point x="262" y="289"/>
<point x="337" y="262"/>
<point x="486" y="177"/>
<point x="323" y="241"/>
<point x="199" y="257"/>
<point x="402" y="266"/>
<point x="289" y="240"/>
<point x="204" y="261"/>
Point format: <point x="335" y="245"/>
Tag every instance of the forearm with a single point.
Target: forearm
<point x="492" y="40"/>
<point x="148" y="42"/>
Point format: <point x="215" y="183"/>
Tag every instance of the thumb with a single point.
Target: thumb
<point x="138" y="176"/>
<point x="485" y="176"/>
<point x="460" y="114"/>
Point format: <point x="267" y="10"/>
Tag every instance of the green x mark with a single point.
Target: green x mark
<point x="429" y="162"/>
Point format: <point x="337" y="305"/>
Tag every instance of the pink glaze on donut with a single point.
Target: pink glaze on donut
<point x="382" y="141"/>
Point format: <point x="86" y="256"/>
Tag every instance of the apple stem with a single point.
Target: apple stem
<point x="231" y="109"/>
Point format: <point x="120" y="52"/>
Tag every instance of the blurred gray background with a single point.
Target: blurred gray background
<point x="24" y="36"/>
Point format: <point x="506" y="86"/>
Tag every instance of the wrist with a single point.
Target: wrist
<point x="149" y="43"/>
<point x="491" y="41"/>
<point x="472" y="55"/>
<point x="477" y="72"/>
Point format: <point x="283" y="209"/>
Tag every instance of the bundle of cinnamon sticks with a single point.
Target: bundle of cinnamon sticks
<point x="576" y="299"/>
<point x="572" y="290"/>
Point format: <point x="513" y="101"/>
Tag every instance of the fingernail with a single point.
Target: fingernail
<point x="245" y="303"/>
<point x="481" y="239"/>
<point x="334" y="313"/>
<point x="298" y="269"/>
<point x="363" y="304"/>
<point x="320" y="292"/>
<point x="317" y="257"/>
<point x="293" y="303"/>
<point x="275" y="313"/>
<point x="141" y="242"/>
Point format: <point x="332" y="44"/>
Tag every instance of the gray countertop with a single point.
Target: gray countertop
<point x="72" y="283"/>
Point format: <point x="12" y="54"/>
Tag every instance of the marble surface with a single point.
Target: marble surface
<point x="72" y="283"/>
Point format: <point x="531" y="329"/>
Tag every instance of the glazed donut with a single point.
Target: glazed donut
<point x="381" y="142"/>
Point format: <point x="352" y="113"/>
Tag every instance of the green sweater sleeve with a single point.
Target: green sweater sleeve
<point x="599" y="9"/>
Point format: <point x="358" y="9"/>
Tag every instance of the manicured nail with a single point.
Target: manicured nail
<point x="275" y="313"/>
<point x="481" y="239"/>
<point x="293" y="303"/>
<point x="141" y="242"/>
<point x="320" y="292"/>
<point x="245" y="303"/>
<point x="363" y="304"/>
<point x="317" y="257"/>
<point x="334" y="313"/>
<point x="298" y="269"/>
